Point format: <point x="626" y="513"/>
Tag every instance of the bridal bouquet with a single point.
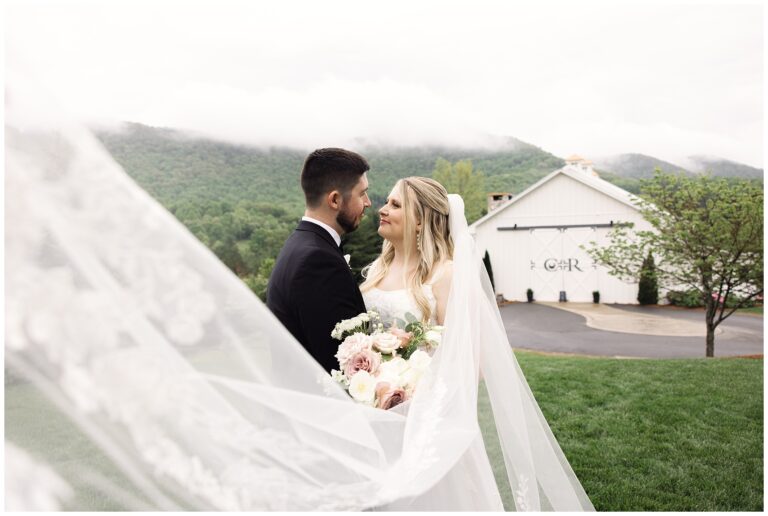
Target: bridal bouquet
<point x="379" y="367"/>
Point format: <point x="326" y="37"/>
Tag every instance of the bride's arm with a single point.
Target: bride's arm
<point x="441" y="289"/>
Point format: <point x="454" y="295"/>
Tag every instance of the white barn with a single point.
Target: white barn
<point x="534" y="239"/>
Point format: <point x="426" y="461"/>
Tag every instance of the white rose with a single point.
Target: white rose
<point x="434" y="337"/>
<point x="410" y="378"/>
<point x="394" y="381"/>
<point x="386" y="342"/>
<point x="362" y="387"/>
<point x="394" y="367"/>
<point x="419" y="360"/>
<point x="392" y="371"/>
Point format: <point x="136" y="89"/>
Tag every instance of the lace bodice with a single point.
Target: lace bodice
<point x="394" y="304"/>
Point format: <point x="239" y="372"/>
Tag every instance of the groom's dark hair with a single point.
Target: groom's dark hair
<point x="330" y="169"/>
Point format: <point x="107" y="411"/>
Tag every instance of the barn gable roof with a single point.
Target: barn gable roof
<point x="572" y="172"/>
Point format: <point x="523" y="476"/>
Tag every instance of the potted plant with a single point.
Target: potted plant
<point x="596" y="297"/>
<point x="529" y="294"/>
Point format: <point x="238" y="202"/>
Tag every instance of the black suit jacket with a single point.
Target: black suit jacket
<point x="311" y="289"/>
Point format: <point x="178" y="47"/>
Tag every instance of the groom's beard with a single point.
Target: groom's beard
<point x="347" y="221"/>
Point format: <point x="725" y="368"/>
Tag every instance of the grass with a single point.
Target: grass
<point x="653" y="435"/>
<point x="751" y="310"/>
<point x="641" y="435"/>
<point x="34" y="424"/>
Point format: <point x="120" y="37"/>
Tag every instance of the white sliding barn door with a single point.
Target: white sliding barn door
<point x="579" y="276"/>
<point x="557" y="263"/>
<point x="546" y="280"/>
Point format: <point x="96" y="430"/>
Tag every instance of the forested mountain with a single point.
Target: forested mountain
<point x="640" y="166"/>
<point x="723" y="167"/>
<point x="175" y="167"/>
<point x="243" y="202"/>
<point x="635" y="166"/>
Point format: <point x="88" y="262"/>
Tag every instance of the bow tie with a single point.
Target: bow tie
<point x="341" y="248"/>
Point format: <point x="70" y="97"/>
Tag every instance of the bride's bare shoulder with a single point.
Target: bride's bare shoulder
<point x="442" y="274"/>
<point x="441" y="287"/>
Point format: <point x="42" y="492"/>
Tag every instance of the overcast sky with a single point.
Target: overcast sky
<point x="592" y="79"/>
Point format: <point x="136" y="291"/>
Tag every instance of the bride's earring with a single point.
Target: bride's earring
<point x="418" y="241"/>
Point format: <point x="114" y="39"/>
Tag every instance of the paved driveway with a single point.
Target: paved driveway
<point x="539" y="327"/>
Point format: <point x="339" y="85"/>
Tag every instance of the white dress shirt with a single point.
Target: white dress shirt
<point x="329" y="229"/>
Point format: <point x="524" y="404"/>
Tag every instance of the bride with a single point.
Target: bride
<point x="422" y="226"/>
<point x="413" y="273"/>
<point x="141" y="374"/>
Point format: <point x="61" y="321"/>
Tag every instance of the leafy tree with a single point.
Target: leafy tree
<point x="228" y="253"/>
<point x="707" y="235"/>
<point x="648" y="288"/>
<point x="460" y="178"/>
<point x="258" y="282"/>
<point x="364" y="244"/>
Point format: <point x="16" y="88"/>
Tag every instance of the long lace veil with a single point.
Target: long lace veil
<point x="142" y="374"/>
<point x="539" y="473"/>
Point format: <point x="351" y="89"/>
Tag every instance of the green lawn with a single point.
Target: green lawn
<point x="642" y="435"/>
<point x="653" y="435"/>
<point x="751" y="310"/>
<point x="35" y="424"/>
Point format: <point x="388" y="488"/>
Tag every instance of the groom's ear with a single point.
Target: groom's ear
<point x="334" y="199"/>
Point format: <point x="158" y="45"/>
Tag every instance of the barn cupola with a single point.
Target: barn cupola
<point x="584" y="165"/>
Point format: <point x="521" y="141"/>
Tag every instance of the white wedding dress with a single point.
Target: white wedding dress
<point x="183" y="391"/>
<point x="472" y="474"/>
<point x="393" y="305"/>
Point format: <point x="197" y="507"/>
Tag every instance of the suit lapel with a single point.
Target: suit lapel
<point x="306" y="226"/>
<point x="314" y="228"/>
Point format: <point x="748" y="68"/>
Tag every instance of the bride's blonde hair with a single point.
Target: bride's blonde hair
<point x="424" y="201"/>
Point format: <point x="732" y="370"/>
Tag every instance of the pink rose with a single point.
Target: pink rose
<point x="351" y="346"/>
<point x="365" y="360"/>
<point x="389" y="398"/>
<point x="404" y="336"/>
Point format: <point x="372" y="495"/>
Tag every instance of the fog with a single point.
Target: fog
<point x="594" y="79"/>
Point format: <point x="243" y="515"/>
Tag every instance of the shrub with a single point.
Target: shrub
<point x="734" y="300"/>
<point x="687" y="298"/>
<point x="648" y="289"/>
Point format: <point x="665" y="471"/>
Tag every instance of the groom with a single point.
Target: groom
<point x="312" y="287"/>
